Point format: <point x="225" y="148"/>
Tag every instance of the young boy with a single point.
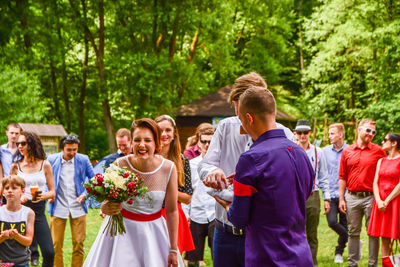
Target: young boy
<point x="16" y="223"/>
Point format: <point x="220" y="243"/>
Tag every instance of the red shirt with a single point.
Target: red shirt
<point x="357" y="166"/>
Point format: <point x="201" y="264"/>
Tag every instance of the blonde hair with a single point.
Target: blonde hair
<point x="175" y="151"/>
<point x="243" y="83"/>
<point x="338" y="126"/>
<point x="366" y="121"/>
<point x="13" y="180"/>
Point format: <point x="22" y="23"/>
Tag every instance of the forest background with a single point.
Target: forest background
<point x="95" y="65"/>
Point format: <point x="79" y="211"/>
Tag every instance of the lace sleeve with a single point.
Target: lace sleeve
<point x="188" y="189"/>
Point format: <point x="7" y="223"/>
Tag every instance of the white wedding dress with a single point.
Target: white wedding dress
<point x="145" y="243"/>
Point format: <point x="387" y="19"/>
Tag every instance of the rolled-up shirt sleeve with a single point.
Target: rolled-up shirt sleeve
<point x="211" y="160"/>
<point x="243" y="190"/>
<point x="323" y="176"/>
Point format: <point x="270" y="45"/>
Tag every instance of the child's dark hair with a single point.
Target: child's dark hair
<point x="14" y="180"/>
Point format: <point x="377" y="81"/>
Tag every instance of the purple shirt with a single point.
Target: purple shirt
<point x="273" y="181"/>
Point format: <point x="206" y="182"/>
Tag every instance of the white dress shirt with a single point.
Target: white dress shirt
<point x="202" y="207"/>
<point x="66" y="198"/>
<point x="224" y="151"/>
<point x="317" y="159"/>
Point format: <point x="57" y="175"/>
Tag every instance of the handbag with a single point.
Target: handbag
<point x="395" y="258"/>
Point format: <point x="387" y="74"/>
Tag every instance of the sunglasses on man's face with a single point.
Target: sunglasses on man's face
<point x="21" y="143"/>
<point x="369" y="130"/>
<point x="205" y="141"/>
<point x="303" y="132"/>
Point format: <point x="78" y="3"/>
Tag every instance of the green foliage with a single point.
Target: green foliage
<point x="352" y="70"/>
<point x="20" y="98"/>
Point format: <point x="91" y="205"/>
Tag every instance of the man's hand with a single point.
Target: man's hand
<point x="81" y="199"/>
<point x="215" y="180"/>
<point x="342" y="206"/>
<point x="327" y="206"/>
<point x="24" y="199"/>
<point x="13" y="233"/>
<point x="223" y="203"/>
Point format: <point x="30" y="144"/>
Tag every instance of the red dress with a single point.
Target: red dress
<point x="387" y="223"/>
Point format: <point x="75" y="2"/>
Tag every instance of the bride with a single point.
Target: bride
<point x="150" y="240"/>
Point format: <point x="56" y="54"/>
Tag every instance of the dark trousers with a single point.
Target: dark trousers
<point x="228" y="249"/>
<point x="199" y="233"/>
<point x="42" y="232"/>
<point x="313" y="208"/>
<point x="339" y="225"/>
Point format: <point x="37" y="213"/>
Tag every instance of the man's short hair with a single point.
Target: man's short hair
<point x="69" y="139"/>
<point x="14" y="125"/>
<point x="338" y="126"/>
<point x="259" y="101"/>
<point x="13" y="180"/>
<point x="123" y="132"/>
<point x="245" y="82"/>
<point x="366" y="121"/>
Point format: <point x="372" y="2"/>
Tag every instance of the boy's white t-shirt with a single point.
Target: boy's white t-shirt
<point x="10" y="250"/>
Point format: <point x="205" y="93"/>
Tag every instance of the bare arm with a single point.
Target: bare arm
<point x="25" y="240"/>
<point x="393" y="194"/>
<point x="48" y="173"/>
<point x="1" y="171"/>
<point x="171" y="212"/>
<point x="375" y="184"/>
<point x="14" y="168"/>
<point x="342" y="190"/>
<point x="184" y="198"/>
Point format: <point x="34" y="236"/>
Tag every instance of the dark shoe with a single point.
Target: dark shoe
<point x="35" y="262"/>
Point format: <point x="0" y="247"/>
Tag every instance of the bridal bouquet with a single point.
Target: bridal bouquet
<point x="116" y="185"/>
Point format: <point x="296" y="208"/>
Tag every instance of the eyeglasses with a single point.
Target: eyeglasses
<point x="302" y="132"/>
<point x="23" y="143"/>
<point x="370" y="131"/>
<point x="205" y="141"/>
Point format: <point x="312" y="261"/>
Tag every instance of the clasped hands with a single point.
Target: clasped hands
<point x="382" y="205"/>
<point x="9" y="234"/>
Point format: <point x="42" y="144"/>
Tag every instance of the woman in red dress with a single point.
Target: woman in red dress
<point x="385" y="216"/>
<point x="171" y="149"/>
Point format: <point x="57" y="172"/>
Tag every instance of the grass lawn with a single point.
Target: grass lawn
<point x="326" y="249"/>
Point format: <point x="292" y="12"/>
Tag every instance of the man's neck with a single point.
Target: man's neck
<point x="338" y="145"/>
<point x="12" y="147"/>
<point x="304" y="145"/>
<point x="361" y="144"/>
<point x="262" y="128"/>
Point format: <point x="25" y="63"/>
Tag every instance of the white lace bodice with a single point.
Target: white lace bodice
<point x="156" y="181"/>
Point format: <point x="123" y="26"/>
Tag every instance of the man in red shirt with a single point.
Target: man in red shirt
<point x="357" y="171"/>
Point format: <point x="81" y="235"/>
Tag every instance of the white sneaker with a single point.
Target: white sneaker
<point x="338" y="258"/>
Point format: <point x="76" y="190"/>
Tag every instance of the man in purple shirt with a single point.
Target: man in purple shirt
<point x="273" y="181"/>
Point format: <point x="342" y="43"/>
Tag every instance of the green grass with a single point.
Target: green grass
<point x="326" y="249"/>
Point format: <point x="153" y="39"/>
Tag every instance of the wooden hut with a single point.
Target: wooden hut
<point x="212" y="108"/>
<point x="50" y="134"/>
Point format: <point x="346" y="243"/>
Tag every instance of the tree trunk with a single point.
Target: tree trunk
<point x="99" y="51"/>
<point x="22" y="7"/>
<point x="193" y="46"/>
<point x="300" y="15"/>
<point x="82" y="97"/>
<point x="103" y="91"/>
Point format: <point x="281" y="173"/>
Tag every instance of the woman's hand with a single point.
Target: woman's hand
<point x="381" y="205"/>
<point x="172" y="259"/>
<point x="111" y="208"/>
<point x="24" y="199"/>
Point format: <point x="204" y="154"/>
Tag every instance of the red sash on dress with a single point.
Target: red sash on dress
<point x="140" y="217"/>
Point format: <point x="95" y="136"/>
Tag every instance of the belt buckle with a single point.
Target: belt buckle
<point x="237" y="231"/>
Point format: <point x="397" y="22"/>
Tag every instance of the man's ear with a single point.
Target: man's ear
<point x="250" y="117"/>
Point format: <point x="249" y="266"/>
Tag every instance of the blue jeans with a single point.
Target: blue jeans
<point x="228" y="249"/>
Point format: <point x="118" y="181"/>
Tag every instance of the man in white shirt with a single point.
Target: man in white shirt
<point x="219" y="162"/>
<point x="201" y="210"/>
<point x="9" y="150"/>
<point x="70" y="170"/>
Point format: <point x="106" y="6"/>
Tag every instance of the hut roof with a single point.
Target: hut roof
<point x="44" y="129"/>
<point x="216" y="105"/>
